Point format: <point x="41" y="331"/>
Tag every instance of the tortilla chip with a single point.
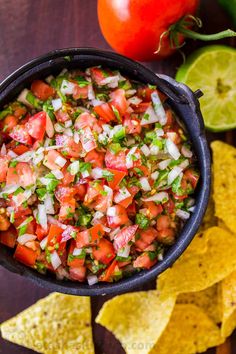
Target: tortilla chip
<point x="209" y="219"/>
<point x="200" y="271"/>
<point x="228" y="288"/>
<point x="189" y="331"/>
<point x="208" y="300"/>
<point x="137" y="320"/>
<point x="224" y="183"/>
<point x="56" y="324"/>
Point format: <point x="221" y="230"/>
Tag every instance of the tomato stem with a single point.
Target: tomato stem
<point x="207" y="37"/>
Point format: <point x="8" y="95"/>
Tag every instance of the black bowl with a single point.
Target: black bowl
<point x="183" y="101"/>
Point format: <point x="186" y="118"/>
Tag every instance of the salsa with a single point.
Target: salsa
<point x="97" y="175"/>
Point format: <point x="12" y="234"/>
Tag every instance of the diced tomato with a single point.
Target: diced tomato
<point x="105" y="111"/>
<point x="124" y="236"/>
<point x="36" y="125"/>
<point x="97" y="75"/>
<point x="55" y="239"/>
<point x="78" y="273"/>
<point x="3" y="168"/>
<point x="123" y="264"/>
<point x="163" y="222"/>
<point x="87" y="139"/>
<point x="104" y="251"/>
<point x="31" y="226"/>
<point x="41" y="232"/>
<point x="131" y="209"/>
<point x="109" y="272"/>
<point x="132" y="125"/>
<point x="74" y="261"/>
<point x="22" y="174"/>
<point x="9" y="123"/>
<point x="68" y="178"/>
<point x="69" y="233"/>
<point x="90" y="236"/>
<point x="153" y="209"/>
<point x="25" y="255"/>
<point x="145" y="93"/>
<point x="96" y="198"/>
<point x="86" y="120"/>
<point x="146" y="237"/>
<point x="119" y="216"/>
<point x="144" y="261"/>
<point x="118" y="100"/>
<point x="64" y="194"/>
<point x="42" y="90"/>
<point x="19" y="111"/>
<point x="80" y="191"/>
<point x="21" y="210"/>
<point x="169" y="206"/>
<point x="117" y="178"/>
<point x="8" y="237"/>
<point x="20" y="149"/>
<point x="93" y="192"/>
<point x="141" y="107"/>
<point x="116" y="161"/>
<point x="80" y="92"/>
<point x="50" y="160"/>
<point x="62" y="116"/>
<point x="20" y="133"/>
<point x="70" y="147"/>
<point x="67" y="210"/>
<point x="166" y="236"/>
<point x="192" y="177"/>
<point x="95" y="158"/>
<point x="126" y="202"/>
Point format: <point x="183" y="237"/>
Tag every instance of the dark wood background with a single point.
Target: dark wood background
<point x="29" y="28"/>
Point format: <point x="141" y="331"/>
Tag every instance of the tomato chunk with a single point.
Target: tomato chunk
<point x="22" y="174"/>
<point x="124" y="236"/>
<point x="144" y="261"/>
<point x="146" y="237"/>
<point x="116" y="161"/>
<point x="105" y="112"/>
<point x="42" y="90"/>
<point x="8" y="237"/>
<point x="117" y="178"/>
<point x="36" y="125"/>
<point x="25" y="255"/>
<point x="109" y="272"/>
<point x="20" y="133"/>
<point x="90" y="236"/>
<point x="117" y="216"/>
<point x="118" y="100"/>
<point x="104" y="251"/>
<point x="3" y="168"/>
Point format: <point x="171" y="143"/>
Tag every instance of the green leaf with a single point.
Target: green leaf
<point x="142" y="221"/>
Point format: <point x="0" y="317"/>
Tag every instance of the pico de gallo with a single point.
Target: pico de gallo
<point x="97" y="176"/>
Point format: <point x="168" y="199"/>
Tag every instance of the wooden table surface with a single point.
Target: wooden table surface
<point x="29" y="28"/>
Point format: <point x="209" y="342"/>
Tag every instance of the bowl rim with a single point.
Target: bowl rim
<point x="134" y="281"/>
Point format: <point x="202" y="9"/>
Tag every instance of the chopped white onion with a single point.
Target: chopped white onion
<point x="149" y="116"/>
<point x="42" y="216"/>
<point x="172" y="149"/>
<point x="54" y="221"/>
<point x="47" y="141"/>
<point x="85" y="174"/>
<point x="158" y="197"/>
<point x="155" y="175"/>
<point x="184" y="164"/>
<point x="124" y="252"/>
<point x="114" y="233"/>
<point x="159" y="132"/>
<point x="9" y="189"/>
<point x="122" y="194"/>
<point x="59" y="128"/>
<point x="91" y="94"/>
<point x="38" y="158"/>
<point x="53" y="147"/>
<point x="67" y="87"/>
<point x="145" y="150"/>
<point x="98" y="215"/>
<point x="74" y="168"/>
<point x="11" y="154"/>
<point x="184" y="215"/>
<point x="160" y="257"/>
<point x="43" y="243"/>
<point x="25" y="238"/>
<point x="173" y="174"/>
<point x="163" y="164"/>
<point x="129" y="157"/>
<point x="154" y="150"/>
<point x="191" y="209"/>
<point x="109" y="197"/>
<point x="49" y="127"/>
<point x="58" y="174"/>
<point x="26" y="157"/>
<point x="57" y="104"/>
<point x="49" y="79"/>
<point x="3" y="150"/>
<point x="145" y="184"/>
<point x="186" y="152"/>
<point x="134" y="100"/>
<point x="77" y="251"/>
<point x="76" y="137"/>
<point x="106" y="229"/>
<point x="110" y="81"/>
<point x="96" y="102"/>
<point x="60" y="161"/>
<point x="97" y="172"/>
<point x="111" y="211"/>
<point x="68" y="132"/>
<point x="143" y="211"/>
<point x="68" y="123"/>
<point x="158" y="108"/>
<point x="22" y="98"/>
<point x="130" y="92"/>
<point x="48" y="203"/>
<point x="55" y="260"/>
<point x="92" y="279"/>
<point x="130" y="141"/>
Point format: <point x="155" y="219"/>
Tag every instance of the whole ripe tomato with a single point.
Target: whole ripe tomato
<point x="134" y="27"/>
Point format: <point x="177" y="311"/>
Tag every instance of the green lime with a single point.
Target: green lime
<point x="213" y="70"/>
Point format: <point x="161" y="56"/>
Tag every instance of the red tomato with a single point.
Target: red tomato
<point x="144" y="261"/>
<point x="80" y="191"/>
<point x="153" y="209"/>
<point x="62" y="116"/>
<point x="50" y="160"/>
<point x="166" y="236"/>
<point x="104" y="251"/>
<point x="97" y="74"/>
<point x="109" y="272"/>
<point x="8" y="237"/>
<point x="169" y="206"/>
<point x="133" y="28"/>
<point x="118" y="100"/>
<point x="126" y="202"/>
<point x="70" y="147"/>
<point x="163" y="222"/>
<point x="19" y="111"/>
<point x="86" y="120"/>
<point x="146" y="238"/>
<point x="20" y="133"/>
<point x="31" y="226"/>
<point x="74" y="262"/>
<point x="67" y="210"/>
<point x="78" y="273"/>
<point x="17" y="149"/>
<point x="25" y="255"/>
<point x="64" y="194"/>
<point x="42" y="90"/>
<point x="3" y="168"/>
<point x="80" y="92"/>
<point x="22" y="174"/>
<point x="69" y="232"/>
<point x="36" y="125"/>
<point x="116" y="179"/>
<point x="55" y="239"/>
<point x="41" y="232"/>
<point x="116" y="161"/>
<point x="141" y="107"/>
<point x="192" y="177"/>
<point x="132" y="125"/>
<point x="117" y="216"/>
<point x="105" y="112"/>
<point x="90" y="236"/>
<point x="68" y="178"/>
<point x="124" y="236"/>
<point x="131" y="209"/>
<point x="95" y="158"/>
<point x="9" y="123"/>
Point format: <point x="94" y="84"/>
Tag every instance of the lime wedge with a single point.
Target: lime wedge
<point x="213" y="70"/>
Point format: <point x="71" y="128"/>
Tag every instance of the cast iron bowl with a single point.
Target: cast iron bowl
<point x="183" y="101"/>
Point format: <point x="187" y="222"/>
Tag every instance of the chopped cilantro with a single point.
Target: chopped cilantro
<point x="142" y="221"/>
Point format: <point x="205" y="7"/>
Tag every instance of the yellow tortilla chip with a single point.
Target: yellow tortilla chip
<point x="136" y="319"/>
<point x="200" y="271"/>
<point x="228" y="288"/>
<point x="189" y="331"/>
<point x="208" y="300"/>
<point x="224" y="183"/>
<point x="209" y="219"/>
<point x="56" y="324"/>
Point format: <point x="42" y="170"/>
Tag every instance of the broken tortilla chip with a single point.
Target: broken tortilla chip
<point x="200" y="271"/>
<point x="189" y="331"/>
<point x="56" y="324"/>
<point x="208" y="300"/>
<point x="228" y="289"/>
<point x="224" y="183"/>
<point x="137" y="319"/>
